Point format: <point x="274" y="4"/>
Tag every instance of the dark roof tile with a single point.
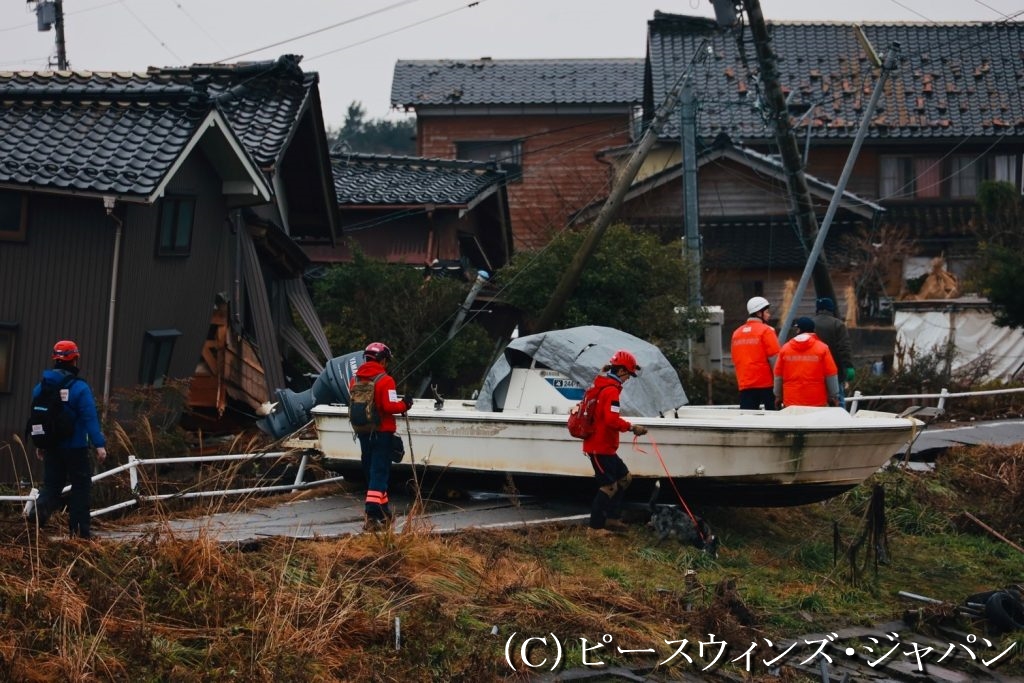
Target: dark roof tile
<point x="123" y="131"/>
<point x="517" y="82"/>
<point x="947" y="82"/>
<point x="366" y="179"/>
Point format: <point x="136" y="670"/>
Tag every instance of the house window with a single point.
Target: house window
<point x="507" y="153"/>
<point x="956" y="177"/>
<point x="7" y="331"/>
<point x="963" y="177"/>
<point x="156" y="356"/>
<point x="176" y="214"/>
<point x="1005" y="167"/>
<point x="896" y="177"/>
<point x="13" y="216"/>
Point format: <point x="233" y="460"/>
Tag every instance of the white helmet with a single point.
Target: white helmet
<point x="757" y="304"/>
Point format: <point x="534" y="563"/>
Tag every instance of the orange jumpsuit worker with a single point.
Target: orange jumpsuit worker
<point x="754" y="348"/>
<point x="805" y="373"/>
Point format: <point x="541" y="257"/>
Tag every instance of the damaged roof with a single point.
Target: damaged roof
<point x="123" y="132"/>
<point x="488" y="81"/>
<point x="368" y="179"/>
<point x="952" y="80"/>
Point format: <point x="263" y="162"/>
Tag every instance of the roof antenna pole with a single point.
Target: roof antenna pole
<point x="819" y="240"/>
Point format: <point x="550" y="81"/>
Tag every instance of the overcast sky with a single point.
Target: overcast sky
<point x="354" y="45"/>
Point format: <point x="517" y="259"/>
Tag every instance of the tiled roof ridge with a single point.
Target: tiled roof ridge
<point x="103" y="94"/>
<point x="394" y="159"/>
<point x="525" y="60"/>
<point x="668" y="17"/>
<point x="285" y="61"/>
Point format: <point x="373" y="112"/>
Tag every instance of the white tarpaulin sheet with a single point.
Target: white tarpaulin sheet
<point x="579" y="353"/>
<point x="969" y="328"/>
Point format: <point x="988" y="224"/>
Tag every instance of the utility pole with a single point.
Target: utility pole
<point x="691" y="213"/>
<point x="887" y="68"/>
<point x="796" y="181"/>
<point x="51" y="13"/>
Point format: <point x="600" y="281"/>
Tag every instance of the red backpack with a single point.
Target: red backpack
<point x="581" y="417"/>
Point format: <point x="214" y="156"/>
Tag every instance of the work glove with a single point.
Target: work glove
<point x="639" y="430"/>
<point x="850" y="374"/>
<point x="407" y="400"/>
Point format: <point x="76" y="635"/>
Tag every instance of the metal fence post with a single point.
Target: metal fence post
<point x="133" y="473"/>
<point x="855" y="401"/>
<point x="302" y="468"/>
<point x="30" y="504"/>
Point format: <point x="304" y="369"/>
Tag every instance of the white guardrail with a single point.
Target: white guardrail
<point x="134" y="463"/>
<point x="942" y="396"/>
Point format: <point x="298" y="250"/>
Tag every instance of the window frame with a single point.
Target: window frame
<point x="169" y="242"/>
<point x="8" y="343"/>
<point x="155" y="359"/>
<point x="20" y="232"/>
<point x="960" y="175"/>
<point x="507" y="153"/>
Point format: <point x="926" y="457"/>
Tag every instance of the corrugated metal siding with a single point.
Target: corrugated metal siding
<point x="57" y="285"/>
<point x="172" y="292"/>
<point x="52" y="286"/>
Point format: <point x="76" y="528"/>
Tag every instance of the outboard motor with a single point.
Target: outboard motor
<point x="292" y="409"/>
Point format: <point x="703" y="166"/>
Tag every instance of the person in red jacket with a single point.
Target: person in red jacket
<point x="754" y="348"/>
<point x="805" y="373"/>
<point x="376" y="446"/>
<point x="602" y="446"/>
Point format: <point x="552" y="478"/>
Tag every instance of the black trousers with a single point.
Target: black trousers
<point x="612" y="477"/>
<point x="61" y="466"/>
<point x="752" y="399"/>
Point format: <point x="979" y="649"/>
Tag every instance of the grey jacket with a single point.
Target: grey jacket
<point x="832" y="331"/>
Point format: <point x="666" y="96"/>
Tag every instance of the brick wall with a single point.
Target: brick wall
<point x="561" y="173"/>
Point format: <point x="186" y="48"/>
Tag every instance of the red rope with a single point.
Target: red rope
<point x="696" y="524"/>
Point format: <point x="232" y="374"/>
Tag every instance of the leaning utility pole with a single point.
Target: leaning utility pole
<point x="796" y="181"/>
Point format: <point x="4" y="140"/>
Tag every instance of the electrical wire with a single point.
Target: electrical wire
<point x="314" y="32"/>
<point x="196" y="23"/>
<point x="150" y="31"/>
<point x="469" y="5"/>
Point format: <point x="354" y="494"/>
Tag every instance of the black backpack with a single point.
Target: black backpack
<point x="362" y="409"/>
<point x="50" y="422"/>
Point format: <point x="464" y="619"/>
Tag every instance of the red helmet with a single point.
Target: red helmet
<point x="625" y="360"/>
<point x="377" y="351"/>
<point x="65" y="350"/>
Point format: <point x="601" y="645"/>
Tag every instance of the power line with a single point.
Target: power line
<point x="912" y="10"/>
<point x="319" y="30"/>
<point x="150" y="32"/>
<point x="198" y="24"/>
<point x="397" y="30"/>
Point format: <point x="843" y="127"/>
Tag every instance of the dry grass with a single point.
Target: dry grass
<point x="167" y="609"/>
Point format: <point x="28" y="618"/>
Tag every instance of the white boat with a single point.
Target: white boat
<point x="515" y="433"/>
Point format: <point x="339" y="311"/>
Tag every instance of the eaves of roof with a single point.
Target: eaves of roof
<point x="744" y="156"/>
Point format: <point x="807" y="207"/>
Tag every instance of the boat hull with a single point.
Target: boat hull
<point x="716" y="456"/>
